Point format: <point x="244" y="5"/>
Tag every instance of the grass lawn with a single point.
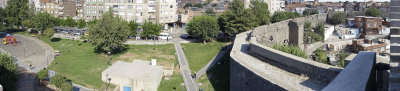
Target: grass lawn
<point x="198" y="54"/>
<point x="174" y="81"/>
<point x="79" y="63"/>
<point x="217" y="78"/>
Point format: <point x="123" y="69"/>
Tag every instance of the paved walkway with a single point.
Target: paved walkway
<point x="184" y="66"/>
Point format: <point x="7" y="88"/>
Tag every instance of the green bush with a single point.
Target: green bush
<point x="8" y="73"/>
<point x="49" y="32"/>
<point x="42" y="74"/>
<point x="342" y="57"/>
<point x="294" y="50"/>
<point x="66" y="87"/>
<point x="58" y="80"/>
<point x="320" y="56"/>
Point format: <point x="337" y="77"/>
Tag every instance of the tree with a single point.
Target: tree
<point x="42" y="74"/>
<point x="70" y="23"/>
<point x="18" y="11"/>
<point x="133" y="26"/>
<point x="187" y="5"/>
<point x="279" y="16"/>
<point x="320" y="29"/>
<point x="43" y="20"/>
<point x="260" y="10"/>
<point x="338" y="18"/>
<point x="372" y="11"/>
<point x="28" y="24"/>
<point x="109" y="33"/>
<point x="210" y="11"/>
<point x="81" y="23"/>
<point x="314" y="11"/>
<point x="320" y="56"/>
<point x="150" y="29"/>
<point x="199" y="5"/>
<point x="237" y="19"/>
<point x="204" y="26"/>
<point x="58" y="22"/>
<point x="8" y="70"/>
<point x="49" y="32"/>
<point x="307" y="26"/>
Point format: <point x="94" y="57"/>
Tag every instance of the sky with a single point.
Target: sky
<point x="348" y="0"/>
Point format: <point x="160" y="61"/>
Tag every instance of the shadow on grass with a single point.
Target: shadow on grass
<point x="116" y="51"/>
<point x="218" y="75"/>
<point x="55" y="39"/>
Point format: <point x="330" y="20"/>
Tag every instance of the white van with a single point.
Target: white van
<point x="164" y="36"/>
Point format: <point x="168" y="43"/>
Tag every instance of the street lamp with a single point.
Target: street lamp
<point x="108" y="55"/>
<point x="109" y="81"/>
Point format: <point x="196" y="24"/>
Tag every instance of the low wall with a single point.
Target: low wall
<point x="292" y="63"/>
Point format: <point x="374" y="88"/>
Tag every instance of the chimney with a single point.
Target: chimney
<point x="153" y="62"/>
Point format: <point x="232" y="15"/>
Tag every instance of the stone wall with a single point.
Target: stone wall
<point x="288" y="31"/>
<point x="293" y="64"/>
<point x="243" y="79"/>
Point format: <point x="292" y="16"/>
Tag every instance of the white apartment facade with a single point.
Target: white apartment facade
<point x="3" y="4"/>
<point x="273" y="5"/>
<point x="159" y="11"/>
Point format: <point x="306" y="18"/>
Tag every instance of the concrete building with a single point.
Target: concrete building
<point x="94" y="9"/>
<point x="368" y="25"/>
<point x="294" y="1"/>
<point x="3" y="4"/>
<point x="159" y="11"/>
<point x="295" y="7"/>
<point x="135" y="76"/>
<point x="80" y="6"/>
<point x="69" y="8"/>
<point x="394" y="82"/>
<point x="369" y="45"/>
<point x="273" y="5"/>
<point x="54" y="7"/>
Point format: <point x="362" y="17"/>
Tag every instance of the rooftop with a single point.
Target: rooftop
<point x="136" y="70"/>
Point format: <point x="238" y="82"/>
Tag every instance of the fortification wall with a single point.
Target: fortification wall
<point x="293" y="64"/>
<point x="290" y="30"/>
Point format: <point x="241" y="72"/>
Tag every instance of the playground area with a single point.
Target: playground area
<point x="25" y="48"/>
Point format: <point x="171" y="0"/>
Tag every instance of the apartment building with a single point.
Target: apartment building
<point x="394" y="78"/>
<point x="80" y="9"/>
<point x="3" y="4"/>
<point x="54" y="7"/>
<point x="273" y="5"/>
<point x="159" y="11"/>
<point x="94" y="9"/>
<point x="69" y="8"/>
<point x="368" y="25"/>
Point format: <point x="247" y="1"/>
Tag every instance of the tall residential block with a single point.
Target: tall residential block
<point x="394" y="78"/>
<point x="159" y="11"/>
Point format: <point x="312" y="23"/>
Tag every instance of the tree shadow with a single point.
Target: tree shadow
<point x="116" y="51"/>
<point x="55" y="39"/>
<point x="218" y="75"/>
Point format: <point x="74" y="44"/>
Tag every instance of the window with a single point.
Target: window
<point x="115" y="6"/>
<point x="375" y="24"/>
<point x="130" y="13"/>
<point x="130" y="6"/>
<point x="122" y="6"/>
<point x="139" y="7"/>
<point x="171" y="6"/>
<point x="139" y="1"/>
<point x="139" y="14"/>
<point x="368" y="25"/>
<point x="130" y="1"/>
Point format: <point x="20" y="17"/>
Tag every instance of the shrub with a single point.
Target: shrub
<point x="294" y="50"/>
<point x="49" y="32"/>
<point x="42" y="74"/>
<point x="66" y="87"/>
<point x="320" y="56"/>
<point x="58" y="80"/>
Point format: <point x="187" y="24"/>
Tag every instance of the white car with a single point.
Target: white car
<point x="164" y="36"/>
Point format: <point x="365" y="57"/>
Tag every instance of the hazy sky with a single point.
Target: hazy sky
<point x="348" y="0"/>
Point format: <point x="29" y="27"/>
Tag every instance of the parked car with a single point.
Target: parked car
<point x="186" y="36"/>
<point x="164" y="36"/>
